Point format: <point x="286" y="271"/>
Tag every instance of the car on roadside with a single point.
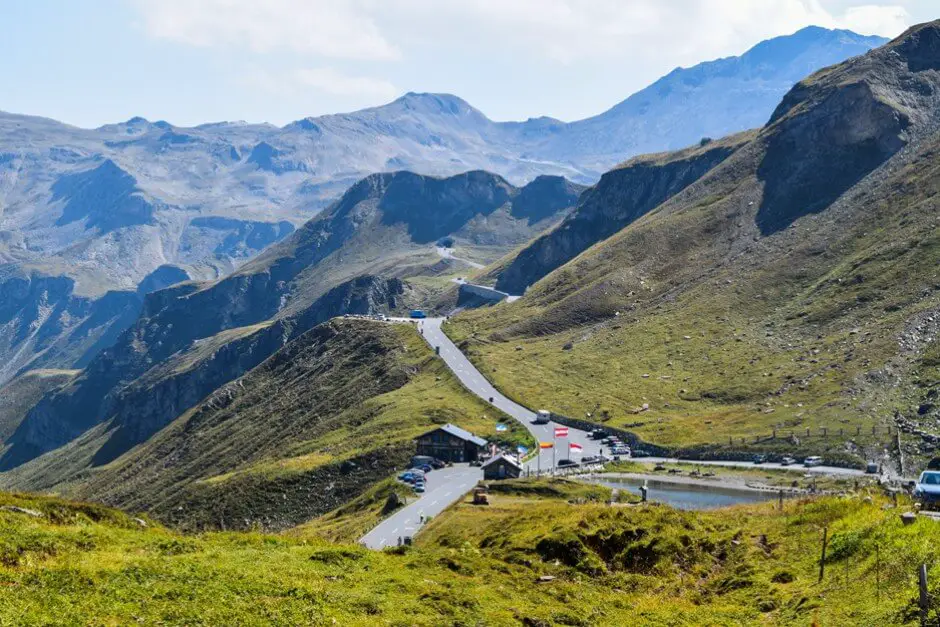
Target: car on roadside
<point x="787" y="461"/>
<point x="419" y="488"/>
<point x="567" y="463"/>
<point x="927" y="489"/>
<point x="813" y="460"/>
<point x="437" y="464"/>
<point x="759" y="459"/>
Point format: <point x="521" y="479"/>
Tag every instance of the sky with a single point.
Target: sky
<point x="92" y="62"/>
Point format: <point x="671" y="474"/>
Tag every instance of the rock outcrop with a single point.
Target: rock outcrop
<point x="622" y="196"/>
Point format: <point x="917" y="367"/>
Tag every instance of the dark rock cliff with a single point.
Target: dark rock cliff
<point x="622" y="196"/>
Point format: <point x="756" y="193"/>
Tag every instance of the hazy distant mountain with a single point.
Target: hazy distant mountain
<point x="711" y="99"/>
<point x="130" y="207"/>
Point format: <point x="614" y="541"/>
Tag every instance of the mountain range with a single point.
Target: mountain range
<point x="93" y="219"/>
<point x="776" y="278"/>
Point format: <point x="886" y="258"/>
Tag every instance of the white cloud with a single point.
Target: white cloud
<point x="339" y="29"/>
<point x="325" y="80"/>
<point x="888" y="21"/>
<point x="568" y="31"/>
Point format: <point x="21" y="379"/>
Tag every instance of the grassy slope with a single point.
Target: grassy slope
<point x="725" y="333"/>
<point x="270" y="447"/>
<point x="474" y="565"/>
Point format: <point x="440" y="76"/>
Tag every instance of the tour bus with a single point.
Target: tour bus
<point x="543" y="417"/>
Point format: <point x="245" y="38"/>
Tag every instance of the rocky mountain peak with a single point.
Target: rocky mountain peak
<point x="835" y="127"/>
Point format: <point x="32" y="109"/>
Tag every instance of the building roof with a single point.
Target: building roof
<point x="509" y="458"/>
<point x="456" y="431"/>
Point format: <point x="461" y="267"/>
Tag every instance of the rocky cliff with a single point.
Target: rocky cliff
<point x="622" y="196"/>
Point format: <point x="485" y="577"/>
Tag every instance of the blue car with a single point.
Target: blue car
<point x="417" y="313"/>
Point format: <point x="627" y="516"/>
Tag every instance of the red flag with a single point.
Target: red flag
<point x="561" y="432"/>
<point x="574" y="446"/>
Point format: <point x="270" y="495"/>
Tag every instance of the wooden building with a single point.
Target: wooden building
<point x="450" y="443"/>
<point x="502" y="467"/>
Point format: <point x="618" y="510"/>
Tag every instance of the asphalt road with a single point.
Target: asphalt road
<point x="447" y="485"/>
<point x="444" y="486"/>
<point x="448" y="253"/>
<point x="821" y="470"/>
<point x="475" y="382"/>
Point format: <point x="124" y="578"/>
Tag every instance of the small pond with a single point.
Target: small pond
<point x="688" y="496"/>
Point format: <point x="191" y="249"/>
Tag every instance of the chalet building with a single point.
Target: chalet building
<point x="502" y="467"/>
<point x="451" y="444"/>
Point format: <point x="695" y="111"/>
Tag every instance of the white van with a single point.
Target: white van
<point x="543" y="417"/>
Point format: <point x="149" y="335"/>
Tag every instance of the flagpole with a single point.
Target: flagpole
<point x="554" y="445"/>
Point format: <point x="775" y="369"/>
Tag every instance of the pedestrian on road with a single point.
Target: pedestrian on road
<point x="399" y="540"/>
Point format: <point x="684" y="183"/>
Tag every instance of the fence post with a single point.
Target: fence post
<point x="780" y="499"/>
<point x="858" y="430"/>
<point x="822" y="559"/>
<point x="807" y="431"/>
<point x="924" y="603"/>
<point x="824" y="431"/>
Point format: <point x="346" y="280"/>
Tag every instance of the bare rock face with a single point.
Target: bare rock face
<point x="839" y="125"/>
<point x="622" y="196"/>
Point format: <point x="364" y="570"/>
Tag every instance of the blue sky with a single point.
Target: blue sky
<point x="90" y="62"/>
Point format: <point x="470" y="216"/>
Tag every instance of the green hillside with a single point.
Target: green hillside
<point x="327" y="416"/>
<point x="793" y="286"/>
<point x="523" y="560"/>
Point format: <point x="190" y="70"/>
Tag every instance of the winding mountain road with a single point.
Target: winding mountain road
<point x="474" y="381"/>
<point x="447" y="485"/>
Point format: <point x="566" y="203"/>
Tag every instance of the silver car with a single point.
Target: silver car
<point x="927" y="490"/>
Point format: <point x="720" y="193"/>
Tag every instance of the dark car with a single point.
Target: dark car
<point x="567" y="463"/>
<point x="759" y="459"/>
<point x="437" y="464"/>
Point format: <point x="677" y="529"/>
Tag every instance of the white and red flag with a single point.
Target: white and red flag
<point x="561" y="432"/>
<point x="574" y="447"/>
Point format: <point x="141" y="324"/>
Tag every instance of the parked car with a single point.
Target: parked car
<point x="813" y="460"/>
<point x="871" y="468"/>
<point x="787" y="461"/>
<point x="437" y="464"/>
<point x="927" y="489"/>
<point x="567" y="463"/>
<point x="419" y="487"/>
<point x="418" y="314"/>
<point x="425" y="468"/>
<point x="759" y="459"/>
